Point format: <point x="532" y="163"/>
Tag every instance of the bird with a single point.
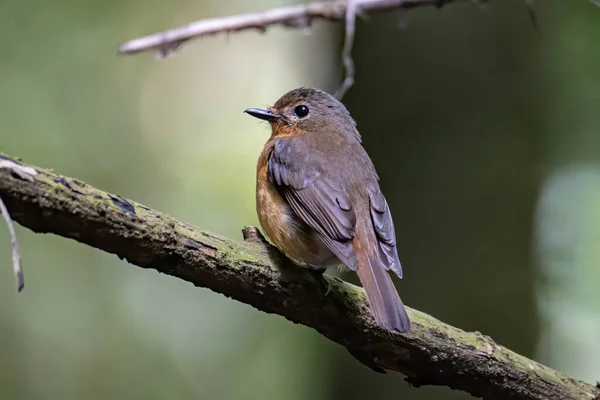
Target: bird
<point x="319" y="201"/>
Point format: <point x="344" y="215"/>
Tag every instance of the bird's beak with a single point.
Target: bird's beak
<point x="263" y="114"/>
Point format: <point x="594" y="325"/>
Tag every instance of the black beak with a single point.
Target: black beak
<point x="263" y="114"/>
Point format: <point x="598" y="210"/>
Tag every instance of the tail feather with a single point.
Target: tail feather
<point x="386" y="306"/>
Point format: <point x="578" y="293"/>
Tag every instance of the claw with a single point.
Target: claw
<point x="330" y="280"/>
<point x="329" y="286"/>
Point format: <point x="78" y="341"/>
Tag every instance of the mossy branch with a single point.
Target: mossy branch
<point x="255" y="273"/>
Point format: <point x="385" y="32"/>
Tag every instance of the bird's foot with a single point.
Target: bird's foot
<point x="329" y="286"/>
<point x="319" y="272"/>
<point x="332" y="281"/>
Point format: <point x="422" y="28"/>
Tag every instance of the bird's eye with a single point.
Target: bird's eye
<point x="301" y="111"/>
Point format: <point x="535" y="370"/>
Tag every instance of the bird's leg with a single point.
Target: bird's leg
<point x="331" y="280"/>
<point x="319" y="271"/>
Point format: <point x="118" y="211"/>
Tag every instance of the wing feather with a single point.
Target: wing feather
<point x="317" y="200"/>
<point x="385" y="233"/>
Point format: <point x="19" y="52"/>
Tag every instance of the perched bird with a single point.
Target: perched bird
<point x="318" y="197"/>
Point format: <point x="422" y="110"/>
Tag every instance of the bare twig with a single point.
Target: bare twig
<point x="351" y="9"/>
<point x="27" y="174"/>
<point x="531" y="11"/>
<point x="298" y="17"/>
<point x="255" y="273"/>
<point x="16" y="255"/>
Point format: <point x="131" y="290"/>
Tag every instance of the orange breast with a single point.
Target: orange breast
<point x="279" y="222"/>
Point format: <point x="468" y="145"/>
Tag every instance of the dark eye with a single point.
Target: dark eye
<point x="301" y="111"/>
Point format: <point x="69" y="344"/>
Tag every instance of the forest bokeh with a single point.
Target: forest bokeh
<point x="484" y="130"/>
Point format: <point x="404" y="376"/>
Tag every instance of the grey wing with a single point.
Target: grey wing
<point x="317" y="200"/>
<point x="384" y="230"/>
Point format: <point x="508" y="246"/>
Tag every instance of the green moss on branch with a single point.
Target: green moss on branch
<point x="253" y="272"/>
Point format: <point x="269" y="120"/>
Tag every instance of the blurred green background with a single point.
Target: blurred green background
<point x="483" y="128"/>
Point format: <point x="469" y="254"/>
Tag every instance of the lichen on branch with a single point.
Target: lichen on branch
<point x="255" y="273"/>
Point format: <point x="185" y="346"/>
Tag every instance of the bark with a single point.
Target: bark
<point x="255" y="273"/>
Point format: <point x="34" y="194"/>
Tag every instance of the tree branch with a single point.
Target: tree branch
<point x="255" y="273"/>
<point x="297" y="17"/>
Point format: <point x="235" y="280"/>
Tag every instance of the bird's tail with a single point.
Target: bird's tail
<point x="386" y="306"/>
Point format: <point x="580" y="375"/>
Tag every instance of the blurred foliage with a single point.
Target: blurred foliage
<point x="482" y="127"/>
